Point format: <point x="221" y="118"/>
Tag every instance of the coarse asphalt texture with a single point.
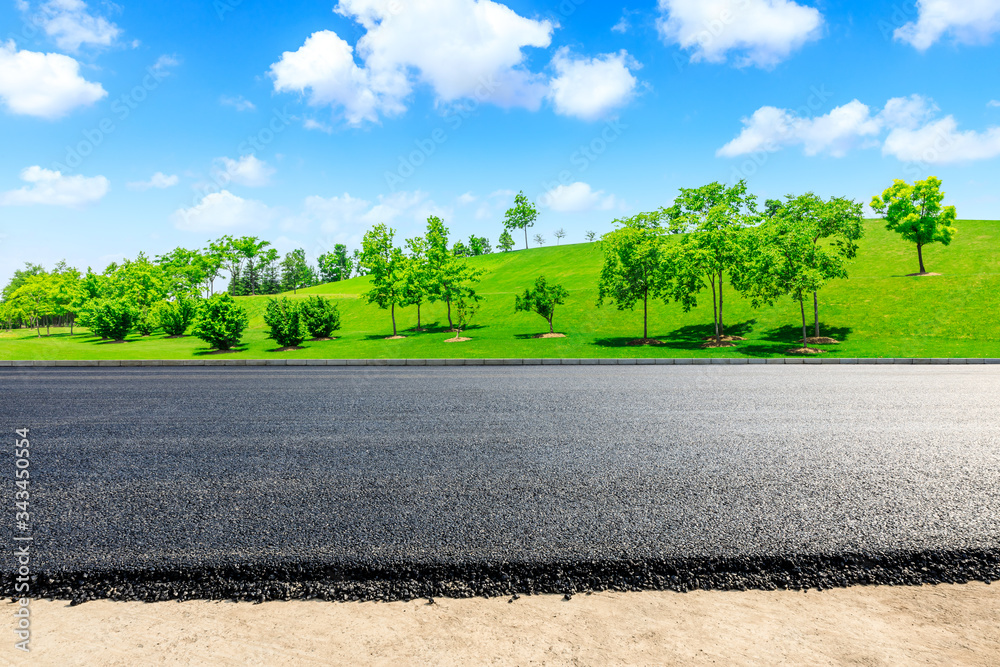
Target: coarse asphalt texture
<point x="402" y="483"/>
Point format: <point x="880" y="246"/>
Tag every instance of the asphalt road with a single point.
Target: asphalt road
<point x="180" y="468"/>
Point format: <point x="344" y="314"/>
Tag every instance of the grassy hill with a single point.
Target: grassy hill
<point x="878" y="312"/>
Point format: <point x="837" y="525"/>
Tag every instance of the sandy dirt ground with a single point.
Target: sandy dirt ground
<point x="940" y="625"/>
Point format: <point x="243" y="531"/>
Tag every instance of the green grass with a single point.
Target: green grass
<point x="878" y="312"/>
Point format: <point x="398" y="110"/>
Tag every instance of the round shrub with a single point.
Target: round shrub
<point x="112" y="318"/>
<point x="221" y="322"/>
<point x="321" y="316"/>
<point x="176" y="316"/>
<point x="283" y="319"/>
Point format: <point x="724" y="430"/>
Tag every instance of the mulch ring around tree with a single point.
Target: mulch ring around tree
<point x="320" y="340"/>
<point x="292" y="348"/>
<point x="918" y="275"/>
<point x="395" y="337"/>
<point x="458" y="339"/>
<point x="725" y="339"/>
<point x="822" y="340"/>
<point x="644" y="341"/>
<point x="223" y="352"/>
<point x="551" y="335"/>
<point x="801" y="351"/>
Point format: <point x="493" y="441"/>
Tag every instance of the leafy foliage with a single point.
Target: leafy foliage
<point x="521" y="216"/>
<point x="385" y="264"/>
<point x="542" y="299"/>
<point x="915" y="213"/>
<point x="506" y="241"/>
<point x="221" y="322"/>
<point x="284" y="322"/>
<point x="633" y="264"/>
<point x="176" y="316"/>
<point x="320" y="316"/>
<point x="113" y="318"/>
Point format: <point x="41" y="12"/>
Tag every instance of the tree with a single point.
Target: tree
<point x="252" y="250"/>
<point x="221" y="322"/>
<point x="539" y="240"/>
<point x="320" y="316"/>
<point x="838" y="224"/>
<point x="451" y="278"/>
<point x="915" y="213"/>
<point x="772" y="207"/>
<point x="34" y="297"/>
<point x="466" y="307"/>
<point x="66" y="292"/>
<point x="542" y="299"/>
<point x="479" y="245"/>
<point x="284" y="322"/>
<point x="632" y="269"/>
<point x="560" y="234"/>
<point x="384" y="263"/>
<point x="591" y="236"/>
<point x="521" y="216"/>
<point x="418" y="282"/>
<point x="185" y="271"/>
<point x="21" y="275"/>
<point x="174" y="317"/>
<point x="113" y="318"/>
<point x="460" y="250"/>
<point x="335" y="266"/>
<point x="295" y="271"/>
<point x="356" y="262"/>
<point x="506" y="241"/>
<point x="786" y="262"/>
<point x="712" y="219"/>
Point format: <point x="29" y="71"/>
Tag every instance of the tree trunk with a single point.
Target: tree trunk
<point x="805" y="331"/>
<point x="816" y="311"/>
<point x="72" y="320"/>
<point x="418" y="318"/>
<point x="394" y="320"/>
<point x="450" y="325"/>
<point x="920" y="256"/>
<point x="525" y="237"/>
<point x="551" y="328"/>
<point x="722" y="324"/>
<point x="715" y="312"/>
<point x="645" y="314"/>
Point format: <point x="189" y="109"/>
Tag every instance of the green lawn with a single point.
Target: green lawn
<point x="879" y="312"/>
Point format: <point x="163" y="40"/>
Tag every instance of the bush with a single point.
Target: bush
<point x="221" y="322"/>
<point x="283" y="319"/>
<point x="176" y="316"/>
<point x="321" y="316"/>
<point x="112" y="318"/>
<point x="146" y="323"/>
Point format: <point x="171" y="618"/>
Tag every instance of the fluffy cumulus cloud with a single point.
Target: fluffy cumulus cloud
<point x="459" y="48"/>
<point x="591" y="88"/>
<point x="70" y="23"/>
<point x="577" y="198"/>
<point x="908" y="125"/>
<point x="758" y="32"/>
<point x="222" y="212"/>
<point x="247" y="171"/>
<point x="971" y="21"/>
<point x="46" y="85"/>
<point x="159" y="181"/>
<point x="52" y="188"/>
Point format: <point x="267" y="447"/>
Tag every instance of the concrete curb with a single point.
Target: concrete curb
<point x="487" y="362"/>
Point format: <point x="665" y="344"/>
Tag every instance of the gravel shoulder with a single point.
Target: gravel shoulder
<point x="934" y="625"/>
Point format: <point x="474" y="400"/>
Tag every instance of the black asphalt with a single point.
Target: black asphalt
<point x="308" y="482"/>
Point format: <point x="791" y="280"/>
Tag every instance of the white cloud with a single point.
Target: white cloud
<point x="52" y="188"/>
<point x="577" y="198"/>
<point x="223" y="211"/>
<point x="993" y="103"/>
<point x="313" y="124"/>
<point x="913" y="134"/>
<point x="969" y="21"/>
<point x="940" y="142"/>
<point x="71" y="24"/>
<point x="467" y="198"/>
<point x="623" y="25"/>
<point x="247" y="171"/>
<point x="239" y="103"/>
<point x="347" y="215"/>
<point x="46" y="85"/>
<point x="771" y="129"/>
<point x="159" y="181"/>
<point x="760" y="32"/>
<point x="590" y="88"/>
<point x="460" y="48"/>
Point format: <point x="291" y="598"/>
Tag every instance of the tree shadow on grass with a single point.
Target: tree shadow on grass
<point x="792" y="333"/>
<point x="428" y="330"/>
<point x="619" y="341"/>
<point x="694" y="336"/>
<point x="209" y="352"/>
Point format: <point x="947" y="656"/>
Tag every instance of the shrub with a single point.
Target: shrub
<point x="112" y="318"/>
<point x="176" y="316"/>
<point x="285" y="322"/>
<point x="221" y="322"/>
<point x="466" y="307"/>
<point x="321" y="316"/>
<point x="146" y="323"/>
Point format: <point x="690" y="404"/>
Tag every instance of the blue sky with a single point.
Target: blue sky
<point x="144" y="126"/>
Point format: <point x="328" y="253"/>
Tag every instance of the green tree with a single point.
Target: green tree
<point x="253" y="250"/>
<point x="34" y="297"/>
<point x="633" y="265"/>
<point x="915" y="213"/>
<point x="460" y="250"/>
<point x="221" y="322"/>
<point x="186" y="271"/>
<point x="506" y="241"/>
<point x="479" y="245"/>
<point x="418" y="281"/>
<point x="384" y="264"/>
<point x="712" y="219"/>
<point x="521" y="216"/>
<point x="284" y="322"/>
<point x="21" y="275"/>
<point x="591" y="236"/>
<point x="320" y="316"/>
<point x="560" y="234"/>
<point x="452" y="279"/>
<point x="295" y="271"/>
<point x="113" y="318"/>
<point x="66" y="293"/>
<point x="539" y="240"/>
<point x="542" y="299"/>
<point x="466" y="307"/>
<point x="335" y="266"/>
<point x="175" y="317"/>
